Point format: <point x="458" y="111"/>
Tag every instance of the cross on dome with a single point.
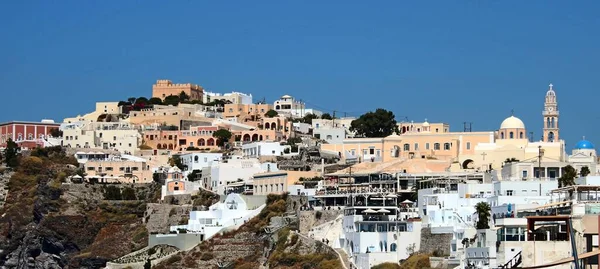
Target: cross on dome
<point x="550" y="86"/>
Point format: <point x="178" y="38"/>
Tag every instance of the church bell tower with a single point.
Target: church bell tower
<point x="550" y="114"/>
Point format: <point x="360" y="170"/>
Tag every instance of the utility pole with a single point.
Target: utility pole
<point x="539" y="162"/>
<point x="333" y="119"/>
<point x="351" y="186"/>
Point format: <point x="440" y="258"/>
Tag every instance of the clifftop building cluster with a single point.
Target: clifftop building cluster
<point x="425" y="188"/>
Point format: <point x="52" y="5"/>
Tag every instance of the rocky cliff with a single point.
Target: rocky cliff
<point x="47" y="223"/>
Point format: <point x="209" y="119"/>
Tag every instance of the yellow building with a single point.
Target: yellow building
<point x="464" y="150"/>
<point x="117" y="169"/>
<point x="101" y="108"/>
<point x="278" y="182"/>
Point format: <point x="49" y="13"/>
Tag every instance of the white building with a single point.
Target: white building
<point x="233" y="97"/>
<point x="224" y="216"/>
<point x="198" y="160"/>
<point x="287" y="105"/>
<point x="258" y="149"/>
<point x="374" y="233"/>
<point x="119" y="136"/>
<point x="301" y="127"/>
<point x="222" y="173"/>
<point x="584" y="155"/>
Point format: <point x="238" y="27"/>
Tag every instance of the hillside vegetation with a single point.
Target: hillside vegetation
<point x="48" y="224"/>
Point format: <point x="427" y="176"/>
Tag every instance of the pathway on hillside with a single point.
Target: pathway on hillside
<point x="344" y="257"/>
<point x="341" y="254"/>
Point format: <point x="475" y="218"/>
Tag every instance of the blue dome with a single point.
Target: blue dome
<point x="584" y="144"/>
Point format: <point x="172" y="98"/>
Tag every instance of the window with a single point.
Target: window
<point x="524" y="173"/>
<point x="521" y="135"/>
<point x="372" y="151"/>
<point x="437" y="130"/>
<point x="406" y="147"/>
<point x="468" y="145"/>
<point x="353" y="152"/>
<point x="502" y="135"/>
<point x="90" y="168"/>
<point x="427" y="146"/>
<point x="446" y="146"/>
<point x="436" y="146"/>
<point x="509" y="193"/>
<point x="511" y="135"/>
<point x="416" y="146"/>
<point x="378" y="153"/>
<point x="195" y="159"/>
<point x="364" y="152"/>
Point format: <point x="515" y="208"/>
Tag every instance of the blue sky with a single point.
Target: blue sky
<point x="447" y="61"/>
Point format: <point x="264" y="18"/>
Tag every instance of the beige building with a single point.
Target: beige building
<point x="117" y="169"/>
<point x="151" y="118"/>
<point x="417" y="127"/>
<point x="465" y="150"/>
<point x="119" y="136"/>
<point x="246" y="111"/>
<point x="101" y="108"/>
<point x="164" y="88"/>
<point x="278" y="182"/>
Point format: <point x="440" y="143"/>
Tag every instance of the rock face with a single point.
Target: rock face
<point x="46" y="224"/>
<point x="311" y="219"/>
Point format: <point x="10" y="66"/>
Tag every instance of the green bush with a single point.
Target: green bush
<point x="112" y="193"/>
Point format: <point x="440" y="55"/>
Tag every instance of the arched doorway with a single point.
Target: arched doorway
<point x="551" y="137"/>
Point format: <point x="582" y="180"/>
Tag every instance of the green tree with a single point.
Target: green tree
<point x="585" y="171"/>
<point x="568" y="177"/>
<point x="112" y="193"/>
<point x="11" y="153"/>
<point x="183" y="97"/>
<point x="141" y="100"/>
<point x="131" y="100"/>
<point x="380" y="123"/>
<point x="326" y="116"/>
<point x="483" y="210"/>
<point x="175" y="160"/>
<point x="271" y="113"/>
<point x="155" y="101"/>
<point x="195" y="175"/>
<point x="222" y="136"/>
<point x="171" y="100"/>
<point x="128" y="193"/>
<point x="309" y="117"/>
<point x="56" y="132"/>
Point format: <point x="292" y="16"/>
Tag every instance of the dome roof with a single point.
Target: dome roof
<point x="425" y="124"/>
<point x="584" y="144"/>
<point x="512" y="122"/>
<point x="286" y="97"/>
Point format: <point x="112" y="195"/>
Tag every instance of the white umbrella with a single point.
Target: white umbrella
<point x="391" y="195"/>
<point x="76" y="176"/>
<point x="383" y="210"/>
<point x="407" y="202"/>
<point x="368" y="210"/>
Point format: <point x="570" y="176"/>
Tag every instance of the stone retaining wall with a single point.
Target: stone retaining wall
<point x="438" y="243"/>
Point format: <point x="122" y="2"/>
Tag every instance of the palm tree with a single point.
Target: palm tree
<point x="568" y="177"/>
<point x="483" y="212"/>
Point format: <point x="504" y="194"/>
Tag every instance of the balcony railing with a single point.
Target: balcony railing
<point x="357" y="191"/>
